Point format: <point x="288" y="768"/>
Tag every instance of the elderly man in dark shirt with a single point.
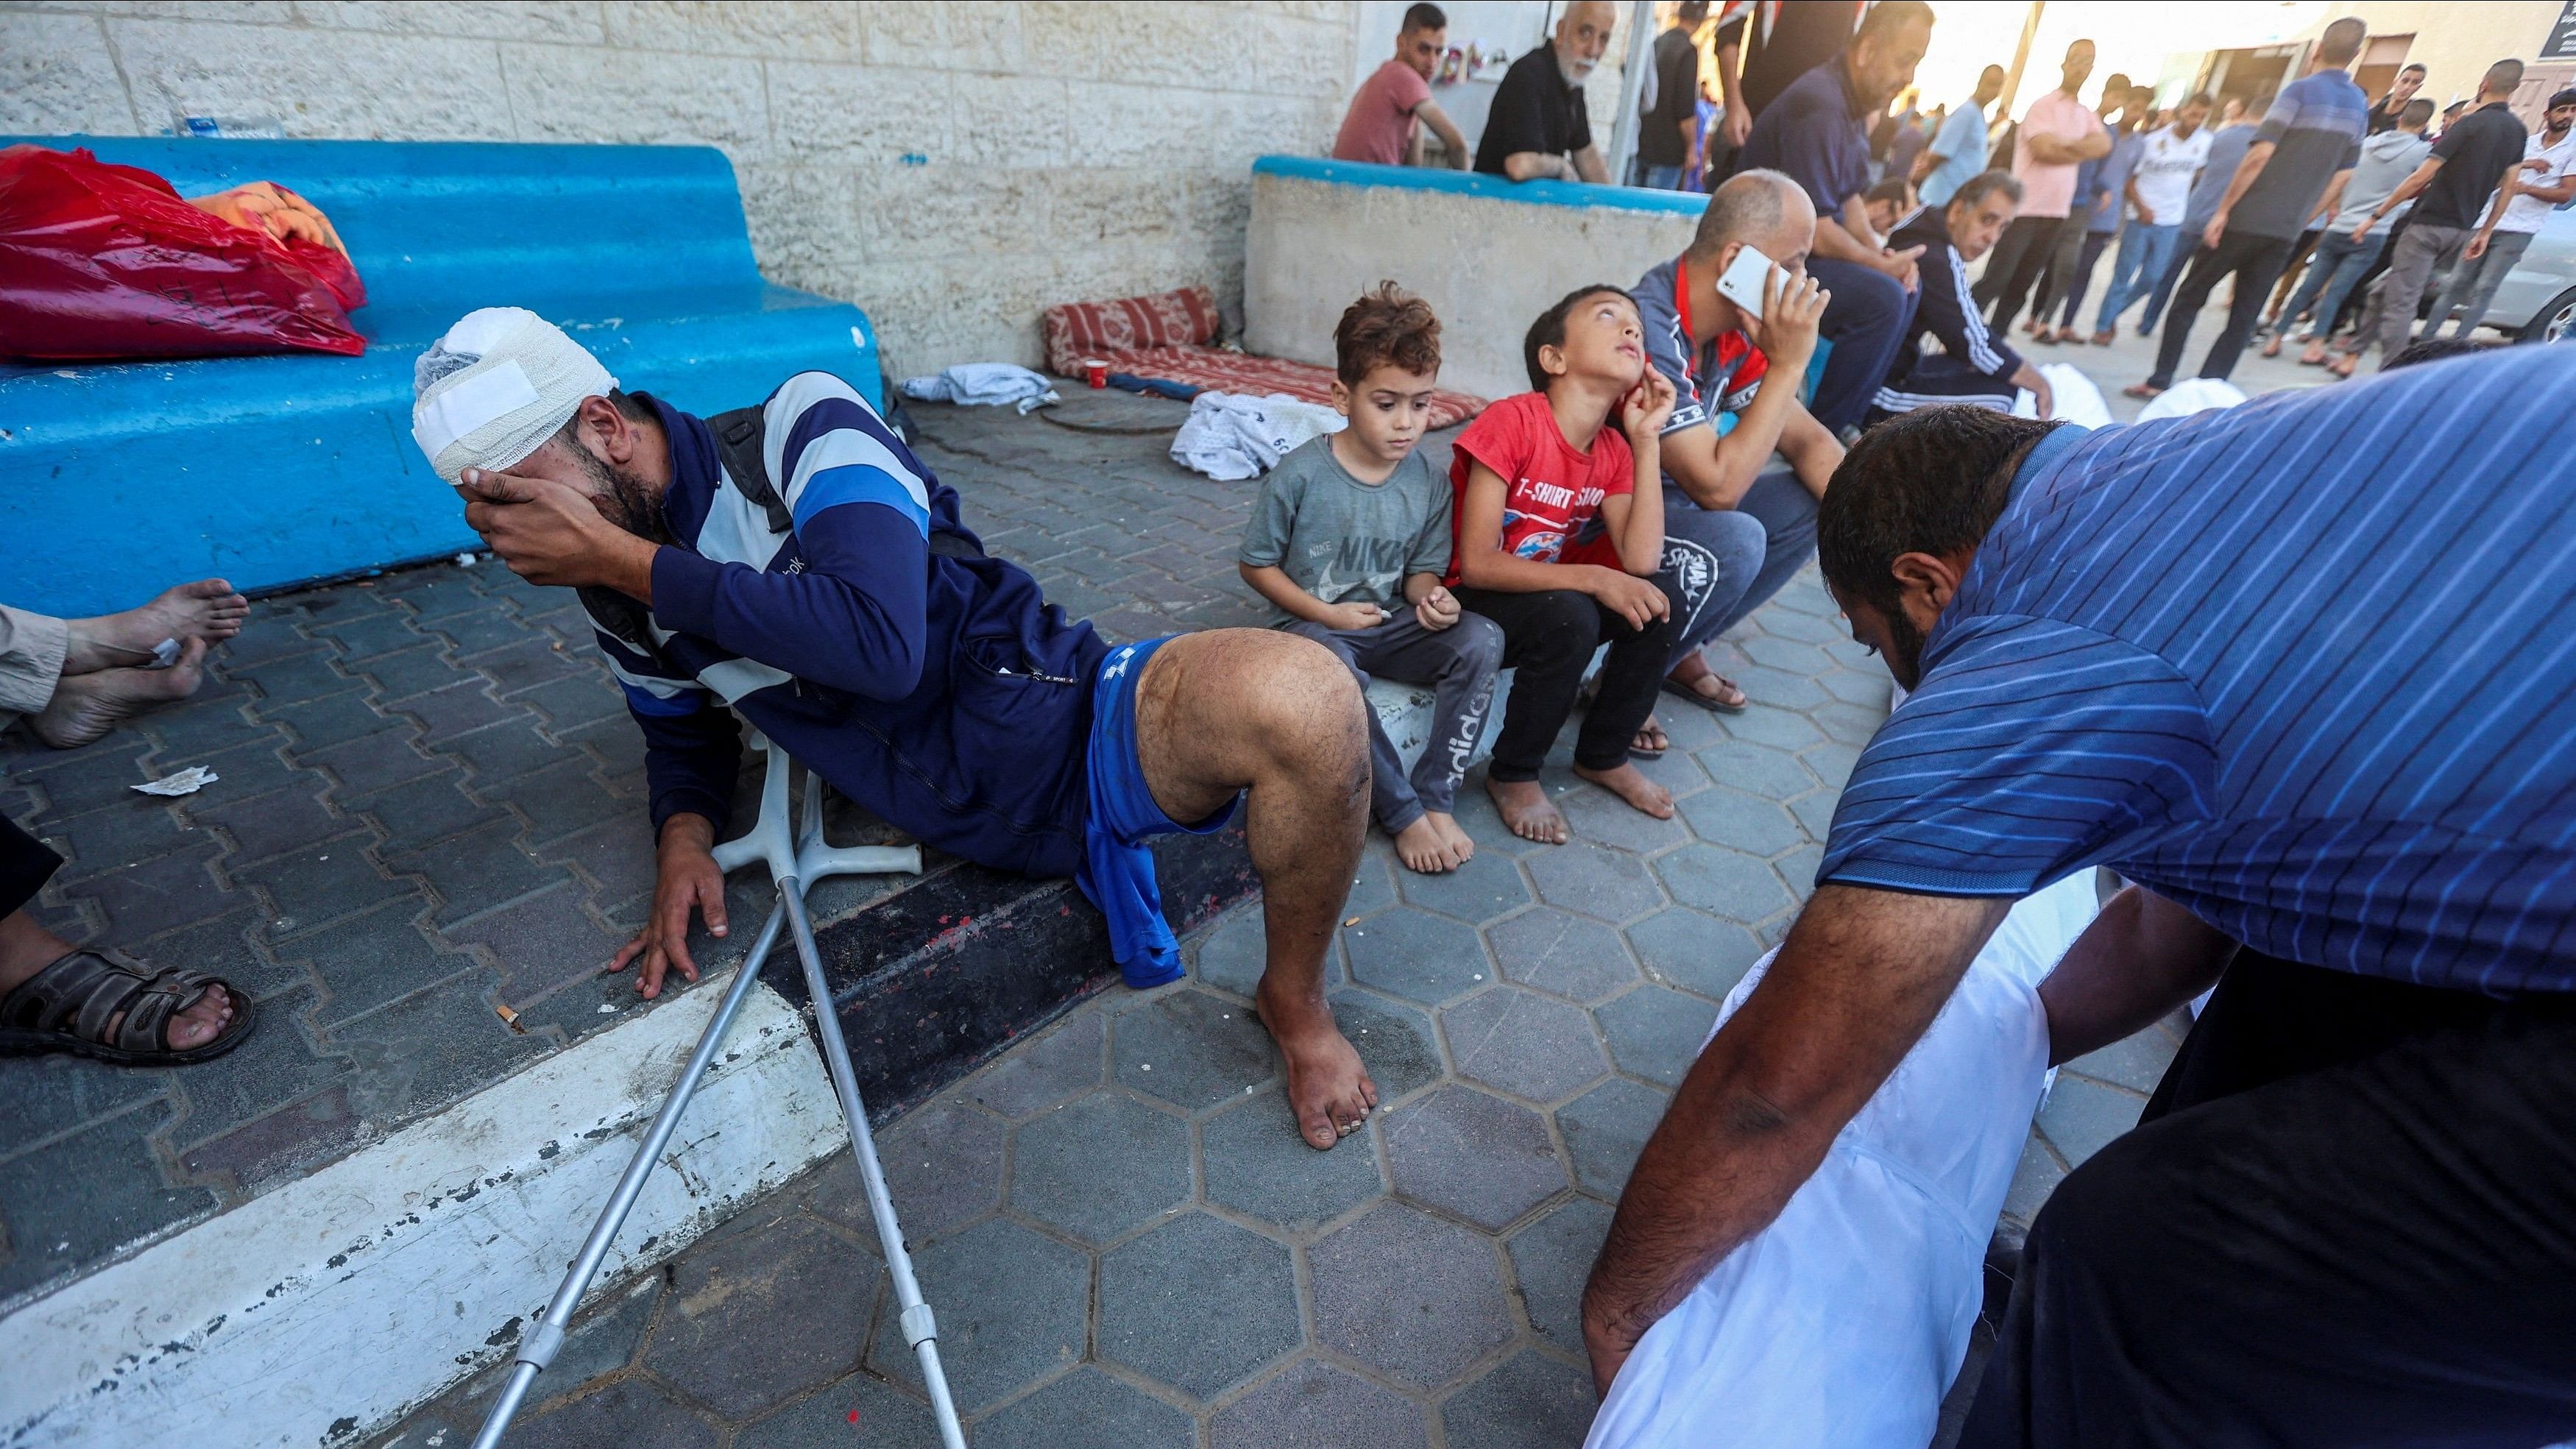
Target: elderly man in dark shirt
<point x="1537" y="127"/>
<point x="1817" y="132"/>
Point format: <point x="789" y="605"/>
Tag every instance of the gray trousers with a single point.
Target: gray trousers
<point x="31" y="661"/>
<point x="2473" y="284"/>
<point x="1458" y="664"/>
<point x="2410" y="268"/>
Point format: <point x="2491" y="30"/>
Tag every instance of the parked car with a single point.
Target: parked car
<point x="2537" y="300"/>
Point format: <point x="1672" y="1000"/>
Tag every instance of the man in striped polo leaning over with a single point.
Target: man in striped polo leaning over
<point x="2331" y="737"/>
<point x="792" y="564"/>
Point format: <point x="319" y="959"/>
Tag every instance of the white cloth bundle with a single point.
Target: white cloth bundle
<point x="2077" y="399"/>
<point x="1229" y="436"/>
<point x="985" y="384"/>
<point x="1841" y="1325"/>
<point x="2191" y="395"/>
<point x="500" y="383"/>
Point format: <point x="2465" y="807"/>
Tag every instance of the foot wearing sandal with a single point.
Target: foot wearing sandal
<point x="102" y="1003"/>
<point x="1649" y="742"/>
<point x="207" y="609"/>
<point x="2142" y="391"/>
<point x="2106" y="337"/>
<point x="2342" y="363"/>
<point x="1693" y="680"/>
<point x="1630" y="784"/>
<point x="86" y="706"/>
<point x="1525" y="808"/>
<point x="2069" y="334"/>
<point x="2272" y="345"/>
<point x="2315" y="356"/>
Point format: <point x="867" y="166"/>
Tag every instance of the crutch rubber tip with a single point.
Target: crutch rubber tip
<point x="918" y="1325"/>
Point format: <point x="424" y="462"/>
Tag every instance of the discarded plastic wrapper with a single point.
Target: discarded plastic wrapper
<point x="187" y="782"/>
<point x="165" y="653"/>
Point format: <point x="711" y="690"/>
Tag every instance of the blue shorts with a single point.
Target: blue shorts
<point x="1117" y="866"/>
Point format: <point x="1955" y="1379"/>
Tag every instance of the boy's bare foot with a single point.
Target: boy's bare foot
<point x="1329" y="1092"/>
<point x="1527" y="810"/>
<point x="87" y="706"/>
<point x="1630" y="784"/>
<point x="1423" y="848"/>
<point x="1462" y="846"/>
<point x="207" y="609"/>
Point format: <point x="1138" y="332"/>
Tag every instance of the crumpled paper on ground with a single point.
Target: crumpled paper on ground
<point x="187" y="782"/>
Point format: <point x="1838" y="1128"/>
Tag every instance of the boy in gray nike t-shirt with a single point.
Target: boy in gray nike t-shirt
<point x="1348" y="542"/>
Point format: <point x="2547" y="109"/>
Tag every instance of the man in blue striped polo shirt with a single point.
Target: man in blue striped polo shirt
<point x="2305" y="671"/>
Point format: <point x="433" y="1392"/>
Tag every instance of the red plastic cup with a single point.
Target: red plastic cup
<point x="1095" y="372"/>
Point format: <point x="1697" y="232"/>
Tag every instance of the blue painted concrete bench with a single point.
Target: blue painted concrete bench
<point x="278" y="470"/>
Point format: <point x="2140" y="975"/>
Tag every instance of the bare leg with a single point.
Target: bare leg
<point x="87" y="706"/>
<point x="27" y="948"/>
<point x="1232" y="710"/>
<point x="207" y="609"/>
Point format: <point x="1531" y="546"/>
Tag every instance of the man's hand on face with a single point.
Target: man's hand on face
<point x="685" y="878"/>
<point x="551" y="534"/>
<point x="1792" y="307"/>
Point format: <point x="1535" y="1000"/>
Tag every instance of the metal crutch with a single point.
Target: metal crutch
<point x="795" y="861"/>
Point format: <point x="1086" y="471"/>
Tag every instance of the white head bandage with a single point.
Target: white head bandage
<point x="500" y="383"/>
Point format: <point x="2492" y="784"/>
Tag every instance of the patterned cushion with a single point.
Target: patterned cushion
<point x="1186" y="318"/>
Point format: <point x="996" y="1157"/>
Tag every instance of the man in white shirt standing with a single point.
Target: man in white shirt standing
<point x="2546" y="178"/>
<point x="2158" y="190"/>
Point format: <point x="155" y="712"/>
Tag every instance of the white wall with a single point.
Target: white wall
<point x="1067" y="150"/>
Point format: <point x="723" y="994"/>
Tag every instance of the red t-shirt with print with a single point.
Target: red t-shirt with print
<point x="1554" y="488"/>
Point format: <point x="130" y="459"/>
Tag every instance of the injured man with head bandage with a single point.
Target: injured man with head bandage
<point x="792" y="564"/>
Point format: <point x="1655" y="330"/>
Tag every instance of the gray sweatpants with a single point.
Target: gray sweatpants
<point x="31" y="661"/>
<point x="2410" y="268"/>
<point x="2473" y="284"/>
<point x="1458" y="664"/>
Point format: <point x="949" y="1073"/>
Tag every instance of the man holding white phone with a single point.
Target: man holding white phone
<point x="1975" y="365"/>
<point x="1743" y="463"/>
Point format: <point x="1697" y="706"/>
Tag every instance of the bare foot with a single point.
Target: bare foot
<point x="1527" y="810"/>
<point x="207" y="609"/>
<point x="1630" y="784"/>
<point x="87" y="706"/>
<point x="1423" y="848"/>
<point x="1328" y="1090"/>
<point x="1462" y="846"/>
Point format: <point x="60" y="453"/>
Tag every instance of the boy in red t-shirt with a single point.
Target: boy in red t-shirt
<point x="1528" y="476"/>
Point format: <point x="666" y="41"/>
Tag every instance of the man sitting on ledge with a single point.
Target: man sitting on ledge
<point x="795" y="562"/>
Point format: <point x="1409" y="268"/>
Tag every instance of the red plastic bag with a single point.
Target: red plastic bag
<point x="100" y="262"/>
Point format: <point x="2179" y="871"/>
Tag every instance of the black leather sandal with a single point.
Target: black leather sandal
<point x="67" y="1007"/>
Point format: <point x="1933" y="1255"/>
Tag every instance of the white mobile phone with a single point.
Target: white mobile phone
<point x="1741" y="282"/>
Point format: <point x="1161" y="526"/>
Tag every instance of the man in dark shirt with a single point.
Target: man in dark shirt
<point x="1817" y="133"/>
<point x="2467" y="165"/>
<point x="2383" y="115"/>
<point x="2309" y="140"/>
<point x="1669" y="125"/>
<point x="1974" y="366"/>
<point x="1537" y="127"/>
<point x="1777" y="41"/>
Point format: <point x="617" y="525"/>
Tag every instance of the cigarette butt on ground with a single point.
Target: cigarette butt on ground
<point x="509" y="1018"/>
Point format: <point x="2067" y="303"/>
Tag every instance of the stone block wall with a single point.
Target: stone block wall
<point x="952" y="168"/>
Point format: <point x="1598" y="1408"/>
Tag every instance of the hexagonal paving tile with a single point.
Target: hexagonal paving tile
<point x="1723" y="882"/>
<point x="1806" y="595"/>
<point x="1832" y="761"/>
<point x="1395" y="1043"/>
<point x="1565" y="954"/>
<point x="1781" y="688"/>
<point x="1232" y="955"/>
<point x="1798" y="869"/>
<point x="1100" y="1165"/>
<point x="1676" y="771"/>
<point x="1757" y="769"/>
<point x="1605" y="1129"/>
<point x="1528" y="1401"/>
<point x="886" y="1415"/>
<point x="1478" y="1157"/>
<point x="1765" y="725"/>
<point x="1485" y="887"/>
<point x="943" y="1163"/>
<point x="1695" y="952"/>
<point x="1742" y="822"/>
<point x="2081" y="1117"/>
<point x="1086" y="1409"/>
<point x="1257" y="1165"/>
<point x="1853" y="654"/>
<point x="1597" y="881"/>
<point x="1869" y="689"/>
<point x="1595" y="814"/>
<point x="1415" y="954"/>
<point x="1198" y="1303"/>
<point x="1062" y="1063"/>
<point x="1190" y="1049"/>
<point x="1816" y="812"/>
<point x="1476" y="815"/>
<point x="1372" y="880"/>
<point x="763" y="1314"/>
<point x="1523" y="1043"/>
<point x="1788" y="654"/>
<point x="1805" y="628"/>
<point x="1551" y="1258"/>
<point x="1312" y="1404"/>
<point x="629" y="1411"/>
<point x="1012" y="1305"/>
<point x="1655" y="1033"/>
<point x="1409" y="1295"/>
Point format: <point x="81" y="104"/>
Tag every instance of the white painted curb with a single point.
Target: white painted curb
<point x="334" y="1305"/>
